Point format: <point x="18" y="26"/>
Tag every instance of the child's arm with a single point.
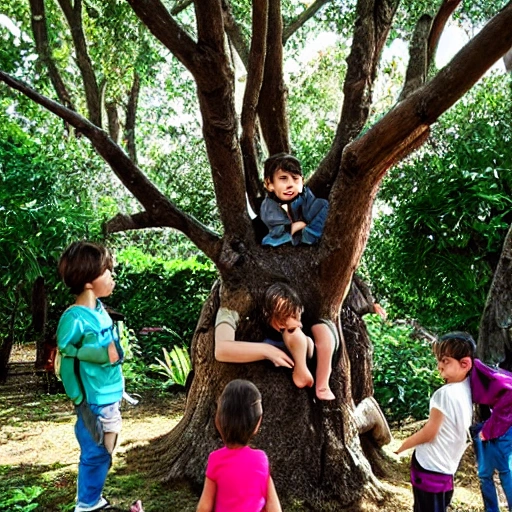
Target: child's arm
<point x="70" y="333"/>
<point x="272" y="504"/>
<point x="228" y="350"/>
<point x="207" y="500"/>
<point x="426" y="434"/>
<point x="315" y="214"/>
<point x="297" y="226"/>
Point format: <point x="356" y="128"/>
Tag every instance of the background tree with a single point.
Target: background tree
<point x="314" y="447"/>
<point x="444" y="213"/>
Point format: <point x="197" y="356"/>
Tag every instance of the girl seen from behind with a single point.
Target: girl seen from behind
<point x="238" y="476"/>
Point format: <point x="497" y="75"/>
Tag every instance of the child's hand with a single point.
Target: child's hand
<point x="113" y="355"/>
<point x="297" y="226"/>
<point x="279" y="357"/>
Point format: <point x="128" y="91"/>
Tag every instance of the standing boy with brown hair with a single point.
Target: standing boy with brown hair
<point x="441" y="442"/>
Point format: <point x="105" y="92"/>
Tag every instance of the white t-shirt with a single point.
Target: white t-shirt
<point x="444" y="452"/>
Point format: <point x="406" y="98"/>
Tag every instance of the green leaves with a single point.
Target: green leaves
<point x="20" y="499"/>
<point x="404" y="370"/>
<point x="176" y="365"/>
<point x="445" y="213"/>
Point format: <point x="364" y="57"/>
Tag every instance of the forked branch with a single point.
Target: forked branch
<point x="159" y="209"/>
<point x="250" y="102"/>
<point x="423" y="46"/>
<point x="374" y="18"/>
<point x="73" y="14"/>
<point x="40" y="31"/>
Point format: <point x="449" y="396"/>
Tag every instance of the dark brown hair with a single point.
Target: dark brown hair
<point x="282" y="161"/>
<point x="280" y="303"/>
<point x="238" y="412"/>
<point x="81" y="263"/>
<point x="455" y="344"/>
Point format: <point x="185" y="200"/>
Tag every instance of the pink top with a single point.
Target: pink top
<point x="241" y="476"/>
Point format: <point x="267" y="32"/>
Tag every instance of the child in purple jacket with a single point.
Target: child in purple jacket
<point x="493" y="437"/>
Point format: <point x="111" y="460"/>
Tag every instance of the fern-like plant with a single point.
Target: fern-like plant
<point x="176" y="365"/>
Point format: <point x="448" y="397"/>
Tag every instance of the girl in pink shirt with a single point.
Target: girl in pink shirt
<point x="237" y="476"/>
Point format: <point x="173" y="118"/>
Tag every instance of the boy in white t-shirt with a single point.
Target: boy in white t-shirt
<point x="441" y="442"/>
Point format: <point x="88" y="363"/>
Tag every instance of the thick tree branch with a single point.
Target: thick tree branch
<point x="209" y="64"/>
<point x="423" y="46"/>
<point x="374" y="18"/>
<point x="210" y="29"/>
<point x="404" y="127"/>
<point x="252" y="90"/>
<point x="164" y="27"/>
<point x="73" y="14"/>
<point x="442" y="17"/>
<point x="273" y="95"/>
<point x="40" y="31"/>
<point x="234" y="32"/>
<point x="433" y="99"/>
<point x="158" y="207"/>
<point x="180" y="6"/>
<point x="417" y="68"/>
<point x="122" y="222"/>
<point x="131" y="115"/>
<point x="303" y="18"/>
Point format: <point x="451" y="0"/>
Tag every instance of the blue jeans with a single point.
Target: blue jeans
<point x="95" y="461"/>
<point x="494" y="455"/>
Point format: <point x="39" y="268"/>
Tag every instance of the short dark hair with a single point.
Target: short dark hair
<point x="82" y="262"/>
<point x="456" y="344"/>
<point x="238" y="412"/>
<point x="283" y="161"/>
<point x="281" y="302"/>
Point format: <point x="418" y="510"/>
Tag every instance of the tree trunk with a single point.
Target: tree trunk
<point x="39" y="314"/>
<point x="313" y="446"/>
<point x="494" y="339"/>
<point x="6" y="346"/>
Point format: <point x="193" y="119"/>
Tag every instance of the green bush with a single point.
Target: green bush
<point x="404" y="370"/>
<point x="20" y="499"/>
<point x="153" y="293"/>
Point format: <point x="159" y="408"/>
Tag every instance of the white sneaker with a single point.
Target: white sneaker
<point x="102" y="503"/>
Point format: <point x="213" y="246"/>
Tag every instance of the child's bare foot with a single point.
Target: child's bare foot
<point x="325" y="394"/>
<point x="302" y="378"/>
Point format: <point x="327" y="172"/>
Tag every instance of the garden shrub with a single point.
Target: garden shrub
<point x="161" y="300"/>
<point x="404" y="370"/>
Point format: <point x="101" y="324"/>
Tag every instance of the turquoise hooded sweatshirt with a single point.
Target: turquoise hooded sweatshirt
<point x="83" y="337"/>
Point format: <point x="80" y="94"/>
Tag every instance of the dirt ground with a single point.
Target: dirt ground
<point x="36" y="429"/>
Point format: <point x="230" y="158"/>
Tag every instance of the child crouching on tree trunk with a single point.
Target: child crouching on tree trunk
<point x="283" y="310"/>
<point x="90" y="367"/>
<point x="441" y="442"/>
<point x="237" y="476"/>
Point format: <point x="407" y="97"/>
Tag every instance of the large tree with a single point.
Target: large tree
<point x="314" y="447"/>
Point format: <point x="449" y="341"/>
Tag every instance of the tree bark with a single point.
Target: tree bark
<point x="314" y="446"/>
<point x="39" y="314"/>
<point x="494" y="335"/>
<point x="6" y="346"/>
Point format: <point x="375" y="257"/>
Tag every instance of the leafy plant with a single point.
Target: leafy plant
<point x="444" y="215"/>
<point x="155" y="294"/>
<point x="20" y="499"/>
<point x="404" y="371"/>
<point x="176" y="365"/>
